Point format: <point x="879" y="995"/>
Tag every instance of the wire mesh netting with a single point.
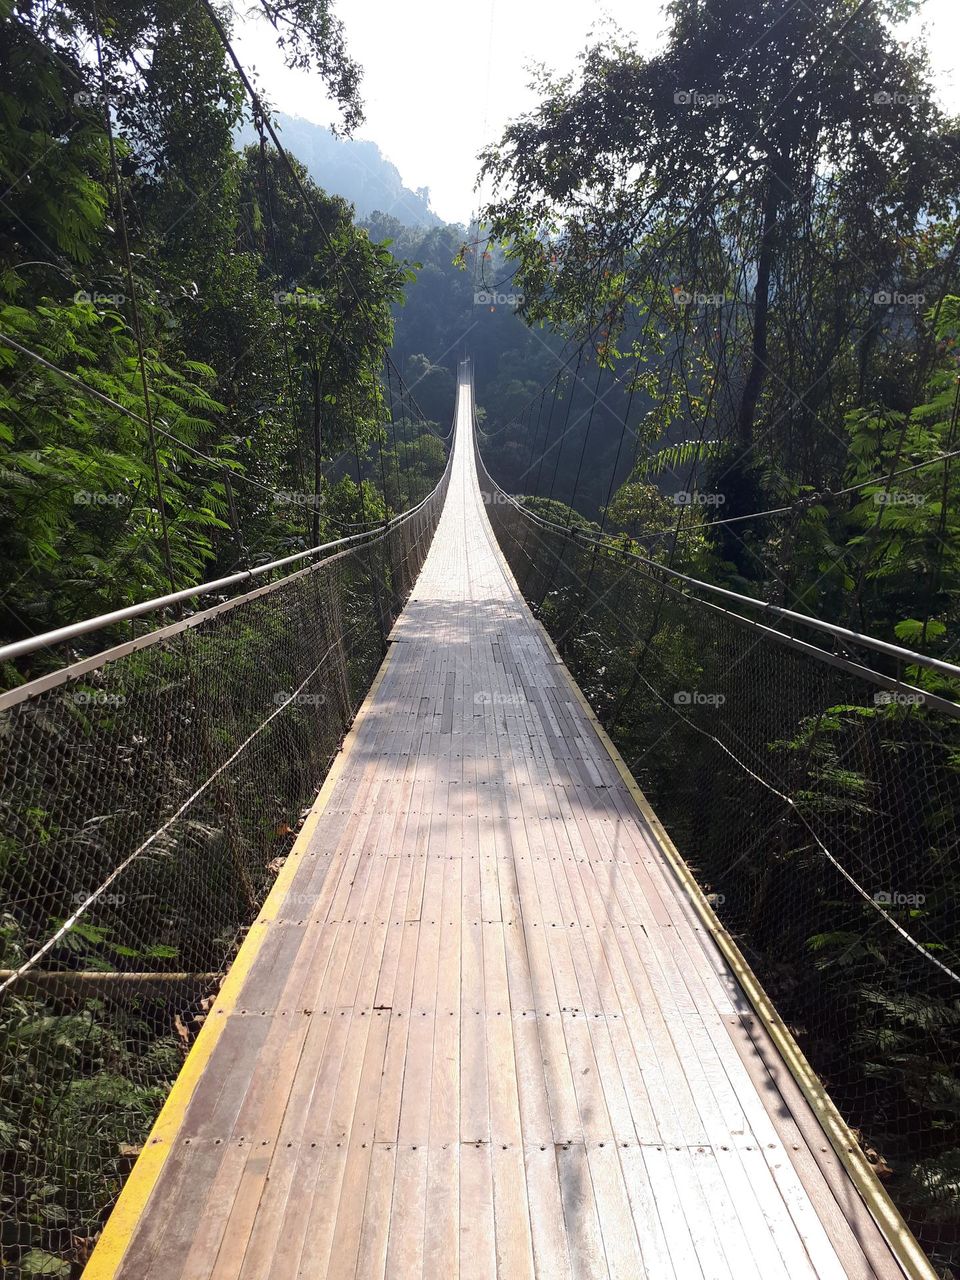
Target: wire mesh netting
<point x="156" y="789"/>
<point x="818" y="807"/>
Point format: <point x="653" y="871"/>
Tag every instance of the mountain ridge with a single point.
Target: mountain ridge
<point x="354" y="168"/>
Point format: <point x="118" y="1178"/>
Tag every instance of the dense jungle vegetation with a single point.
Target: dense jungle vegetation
<point x="769" y="258"/>
<point x="264" y="329"/>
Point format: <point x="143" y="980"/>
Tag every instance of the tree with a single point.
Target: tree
<point x="727" y="210"/>
<point x="223" y="255"/>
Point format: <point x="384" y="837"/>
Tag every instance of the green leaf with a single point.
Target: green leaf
<point x="161" y="951"/>
<point x="38" y="1263"/>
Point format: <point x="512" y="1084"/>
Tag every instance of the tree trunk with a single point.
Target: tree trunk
<point x="772" y="201"/>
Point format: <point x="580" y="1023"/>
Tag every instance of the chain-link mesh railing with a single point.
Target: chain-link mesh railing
<point x="814" y="793"/>
<point x="148" y="797"/>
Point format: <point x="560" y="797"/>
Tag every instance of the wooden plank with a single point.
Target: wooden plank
<point x="621" y="1245"/>
<point x="584" y="1233"/>
<point x="535" y="1121"/>
<point x="478" y="1241"/>
<point x="358" y="1139"/>
<point x="289" y="1163"/>
<point x="680" y="1234"/>
<point x="405" y="1243"/>
<point x="441" y="1248"/>
<point x="809" y="1157"/>
<point x="511" y="1213"/>
<point x="548" y="1231"/>
<point x="649" y="1229"/>
<point x="375" y="1231"/>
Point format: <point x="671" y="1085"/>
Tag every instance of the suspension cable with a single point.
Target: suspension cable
<point x="898" y="652"/>
<point x="814" y="499"/>
<point x="60" y="634"/>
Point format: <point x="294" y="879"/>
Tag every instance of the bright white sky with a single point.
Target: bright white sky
<point x="441" y="80"/>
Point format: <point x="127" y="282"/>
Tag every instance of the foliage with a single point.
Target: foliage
<point x="263" y="330"/>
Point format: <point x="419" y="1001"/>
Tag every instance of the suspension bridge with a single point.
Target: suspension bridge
<point x="484" y="1020"/>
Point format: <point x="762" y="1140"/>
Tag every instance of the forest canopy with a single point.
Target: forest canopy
<point x="763" y="244"/>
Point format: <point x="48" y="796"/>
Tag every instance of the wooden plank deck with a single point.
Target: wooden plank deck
<point x="485" y="1034"/>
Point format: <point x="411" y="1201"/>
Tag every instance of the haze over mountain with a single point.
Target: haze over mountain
<point x="352" y="168"/>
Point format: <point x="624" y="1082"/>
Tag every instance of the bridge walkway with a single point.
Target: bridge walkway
<point x="479" y="1029"/>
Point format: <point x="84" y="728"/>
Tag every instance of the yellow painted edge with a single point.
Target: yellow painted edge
<point x="901" y="1240"/>
<point x="132" y="1201"/>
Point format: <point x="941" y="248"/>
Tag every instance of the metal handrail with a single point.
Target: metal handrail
<point x="61" y="634"/>
<point x="908" y="656"/>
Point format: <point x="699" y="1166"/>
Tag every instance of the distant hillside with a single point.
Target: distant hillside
<point x="356" y="170"/>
